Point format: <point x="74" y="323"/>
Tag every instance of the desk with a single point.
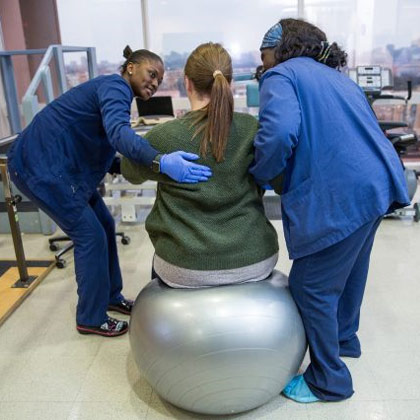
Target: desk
<point x="141" y="130"/>
<point x="127" y="196"/>
<point x="119" y="192"/>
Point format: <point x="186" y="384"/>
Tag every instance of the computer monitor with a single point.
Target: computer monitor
<point x="156" y="106"/>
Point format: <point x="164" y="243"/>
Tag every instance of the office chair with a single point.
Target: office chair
<point x="61" y="262"/>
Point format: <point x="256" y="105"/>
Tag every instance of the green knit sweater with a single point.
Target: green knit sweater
<point x="215" y="225"/>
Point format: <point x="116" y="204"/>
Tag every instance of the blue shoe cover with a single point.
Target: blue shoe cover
<point x="298" y="390"/>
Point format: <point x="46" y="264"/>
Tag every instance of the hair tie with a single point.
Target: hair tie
<point x="216" y="72"/>
<point x="325" y="52"/>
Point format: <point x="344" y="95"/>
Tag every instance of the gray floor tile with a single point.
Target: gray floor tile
<point x="397" y="374"/>
<point x="110" y="410"/>
<point x="44" y="378"/>
<point x="403" y="409"/>
<point x="68" y="376"/>
<point x="348" y="410"/>
<point x="364" y="385"/>
<point x="34" y="410"/>
<point x="113" y="375"/>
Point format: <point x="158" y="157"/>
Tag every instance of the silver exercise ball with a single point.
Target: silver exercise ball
<point x="218" y="350"/>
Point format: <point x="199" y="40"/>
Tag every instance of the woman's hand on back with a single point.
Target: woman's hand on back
<point x="178" y="166"/>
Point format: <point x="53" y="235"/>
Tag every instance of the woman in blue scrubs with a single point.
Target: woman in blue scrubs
<point x="61" y="157"/>
<point x="320" y="145"/>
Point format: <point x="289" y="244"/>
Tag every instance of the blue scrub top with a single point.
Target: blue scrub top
<point x="340" y="171"/>
<point x="67" y="149"/>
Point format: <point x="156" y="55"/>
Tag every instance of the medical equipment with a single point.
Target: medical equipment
<point x="374" y="80"/>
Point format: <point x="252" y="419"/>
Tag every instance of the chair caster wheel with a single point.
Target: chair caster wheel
<point x="60" y="263"/>
<point x="53" y="247"/>
<point x="125" y="240"/>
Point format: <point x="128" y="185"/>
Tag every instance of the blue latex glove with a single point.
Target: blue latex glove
<point x="177" y="165"/>
<point x="298" y="390"/>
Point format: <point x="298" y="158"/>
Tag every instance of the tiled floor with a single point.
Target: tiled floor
<point x="49" y="371"/>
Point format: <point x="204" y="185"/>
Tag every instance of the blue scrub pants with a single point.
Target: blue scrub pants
<point x="328" y="288"/>
<point x="98" y="275"/>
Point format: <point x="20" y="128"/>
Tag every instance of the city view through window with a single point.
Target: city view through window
<point x="383" y="32"/>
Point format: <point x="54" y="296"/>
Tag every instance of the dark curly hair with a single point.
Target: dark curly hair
<point x="302" y="39"/>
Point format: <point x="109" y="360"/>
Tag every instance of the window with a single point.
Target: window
<point x="108" y="25"/>
<point x="177" y="27"/>
<point x="382" y="32"/>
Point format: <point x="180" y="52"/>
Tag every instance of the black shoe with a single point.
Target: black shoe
<point x="123" y="307"/>
<point x="110" y="328"/>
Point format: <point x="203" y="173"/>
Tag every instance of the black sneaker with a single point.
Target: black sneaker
<point x="110" y="328"/>
<point x="123" y="307"/>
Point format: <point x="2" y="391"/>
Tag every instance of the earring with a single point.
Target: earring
<point x="130" y="73"/>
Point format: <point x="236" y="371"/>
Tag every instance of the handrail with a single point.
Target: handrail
<point x="30" y="103"/>
<point x="7" y="140"/>
<point x="11" y="53"/>
<point x="33" y="86"/>
<point x="42" y="76"/>
<point x="11" y="200"/>
<point x="4" y="143"/>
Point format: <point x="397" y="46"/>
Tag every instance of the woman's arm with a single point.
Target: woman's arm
<point x="137" y="173"/>
<point x="114" y="98"/>
<point x="277" y="136"/>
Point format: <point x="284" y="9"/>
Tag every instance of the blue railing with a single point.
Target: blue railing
<point x="30" y="103"/>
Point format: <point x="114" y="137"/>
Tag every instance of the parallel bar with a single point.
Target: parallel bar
<point x="41" y="51"/>
<point x="29" y="107"/>
<point x="8" y="140"/>
<point x="47" y="84"/>
<point x="72" y="49"/>
<point x="61" y="73"/>
<point x="14" y="222"/>
<point x="10" y="92"/>
<point x="22" y="52"/>
<point x="33" y="86"/>
<point x="30" y="99"/>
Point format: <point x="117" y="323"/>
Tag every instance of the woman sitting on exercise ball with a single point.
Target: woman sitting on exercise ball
<point x="211" y="233"/>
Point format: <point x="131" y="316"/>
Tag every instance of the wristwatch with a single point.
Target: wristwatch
<point x="156" y="164"/>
